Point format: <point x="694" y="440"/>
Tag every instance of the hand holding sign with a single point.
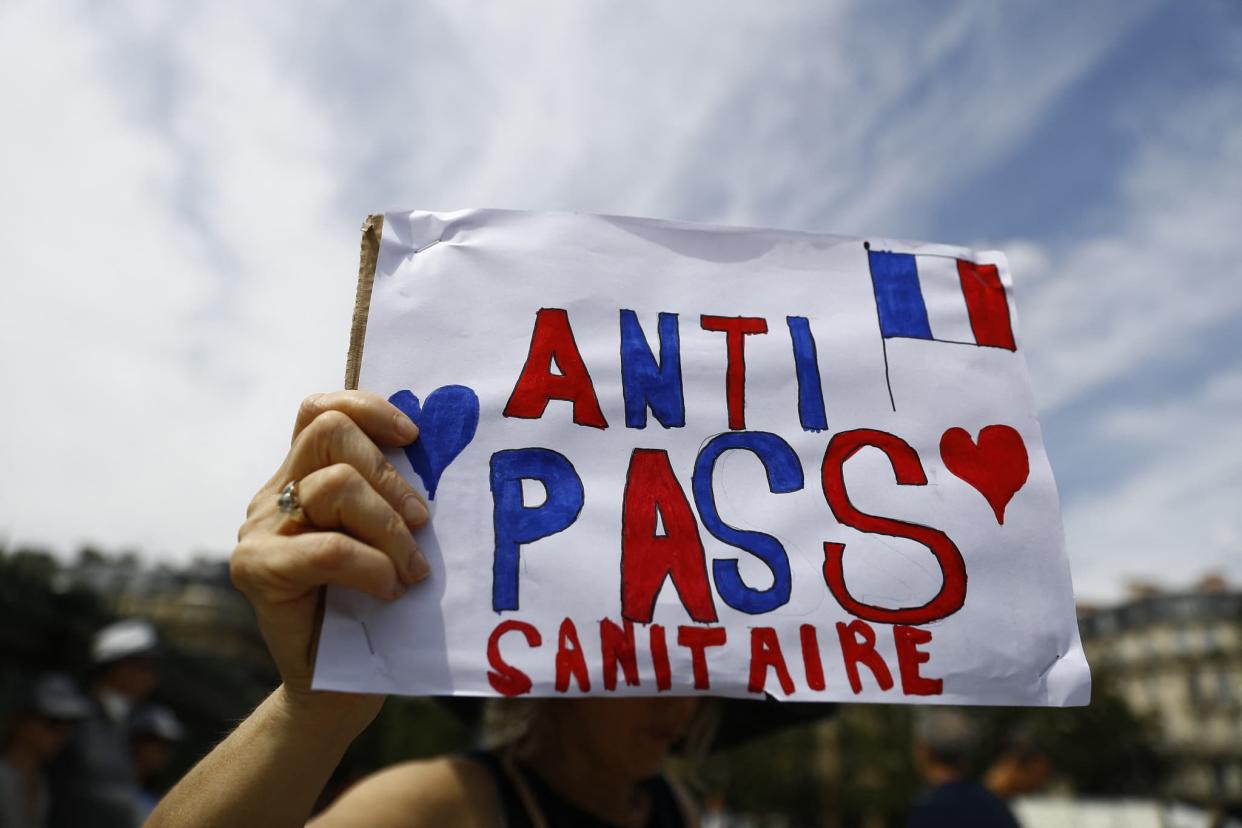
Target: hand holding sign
<point x="346" y="522"/>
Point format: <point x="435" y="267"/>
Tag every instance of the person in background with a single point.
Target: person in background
<point x="93" y="782"/>
<point x="716" y="814"/>
<point x="153" y="735"/>
<point x="1023" y="767"/>
<point x="36" y="733"/>
<point x="944" y="744"/>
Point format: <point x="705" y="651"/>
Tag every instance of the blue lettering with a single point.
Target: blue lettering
<point x="515" y="523"/>
<point x="784" y="475"/>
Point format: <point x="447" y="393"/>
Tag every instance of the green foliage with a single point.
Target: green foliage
<point x="769" y="774"/>
<point x="876" y="778"/>
<point x="857" y="768"/>
<point x="850" y="769"/>
<point x="42" y="627"/>
<point x="1103" y="749"/>
<point x="45" y="626"/>
<point x="776" y="773"/>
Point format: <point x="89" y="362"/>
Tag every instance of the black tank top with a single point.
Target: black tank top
<point x="559" y="812"/>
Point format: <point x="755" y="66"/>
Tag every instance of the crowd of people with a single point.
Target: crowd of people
<point x="84" y="757"/>
<point x="94" y="758"/>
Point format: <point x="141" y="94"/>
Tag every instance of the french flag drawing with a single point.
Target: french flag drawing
<point x="941" y="299"/>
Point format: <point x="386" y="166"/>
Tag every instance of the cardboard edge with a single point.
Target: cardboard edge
<point x="372" y="229"/>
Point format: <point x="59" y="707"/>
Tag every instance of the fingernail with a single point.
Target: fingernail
<point x="405" y="568"/>
<point x="413" y="510"/>
<point x="406" y="429"/>
<point x="398" y="589"/>
<point x="418" y="568"/>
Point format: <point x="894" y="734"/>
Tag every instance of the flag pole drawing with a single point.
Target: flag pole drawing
<point x="973" y="310"/>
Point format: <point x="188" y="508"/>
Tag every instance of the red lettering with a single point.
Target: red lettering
<point x="909" y="657"/>
<point x="810" y="657"/>
<point x="659" y="658"/>
<point x="504" y="678"/>
<point x="553" y="339"/>
<point x="855" y="651"/>
<point x="908" y="471"/>
<point x="569" y="659"/>
<point x="647" y="558"/>
<point x="765" y="652"/>
<point x="735" y="328"/>
<point x="697" y="640"/>
<point x="617" y="647"/>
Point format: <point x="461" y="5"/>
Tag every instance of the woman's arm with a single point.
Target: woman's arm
<point x="429" y="794"/>
<point x="351" y="528"/>
<point x="270" y="770"/>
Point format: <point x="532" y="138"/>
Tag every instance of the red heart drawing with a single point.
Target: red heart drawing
<point x="997" y="467"/>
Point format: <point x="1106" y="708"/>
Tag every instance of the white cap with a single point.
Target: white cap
<point x="131" y="638"/>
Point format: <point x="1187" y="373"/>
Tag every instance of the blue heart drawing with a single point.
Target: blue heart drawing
<point x="446" y="423"/>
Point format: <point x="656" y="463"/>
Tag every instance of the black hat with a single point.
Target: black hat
<point x="158" y="722"/>
<point x="54" y="696"/>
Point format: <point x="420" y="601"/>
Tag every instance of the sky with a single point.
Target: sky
<point x="183" y="188"/>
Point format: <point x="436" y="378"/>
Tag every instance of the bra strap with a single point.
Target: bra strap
<point x="518" y="780"/>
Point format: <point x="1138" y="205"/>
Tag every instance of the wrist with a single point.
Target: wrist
<point x="340" y="715"/>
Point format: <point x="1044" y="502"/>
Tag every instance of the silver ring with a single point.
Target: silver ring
<point x="288" y="502"/>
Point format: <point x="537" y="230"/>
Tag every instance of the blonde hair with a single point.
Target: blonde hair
<point x="513" y="724"/>
<point x="509" y="722"/>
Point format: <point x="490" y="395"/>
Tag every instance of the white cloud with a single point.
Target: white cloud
<point x="1114" y="304"/>
<point x="1131" y="365"/>
<point x="1178" y="516"/>
<point x="183" y="191"/>
<point x="148" y="350"/>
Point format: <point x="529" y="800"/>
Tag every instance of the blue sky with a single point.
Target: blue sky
<point x="183" y="190"/>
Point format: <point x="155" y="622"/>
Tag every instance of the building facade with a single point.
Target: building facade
<point x="1177" y="659"/>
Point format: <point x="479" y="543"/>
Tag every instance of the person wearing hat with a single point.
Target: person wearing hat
<point x="36" y="733"/>
<point x="153" y="734"/>
<point x="93" y="782"/>
<point x="945" y="744"/>
<point x="1022" y="768"/>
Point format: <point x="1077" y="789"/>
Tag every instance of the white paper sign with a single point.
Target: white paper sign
<point x="670" y="458"/>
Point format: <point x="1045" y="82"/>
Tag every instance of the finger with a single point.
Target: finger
<point x="382" y="421"/>
<point x="281" y="568"/>
<point x="338" y="497"/>
<point x="333" y="438"/>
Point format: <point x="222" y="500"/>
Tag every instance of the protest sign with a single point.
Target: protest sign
<point x="671" y="458"/>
